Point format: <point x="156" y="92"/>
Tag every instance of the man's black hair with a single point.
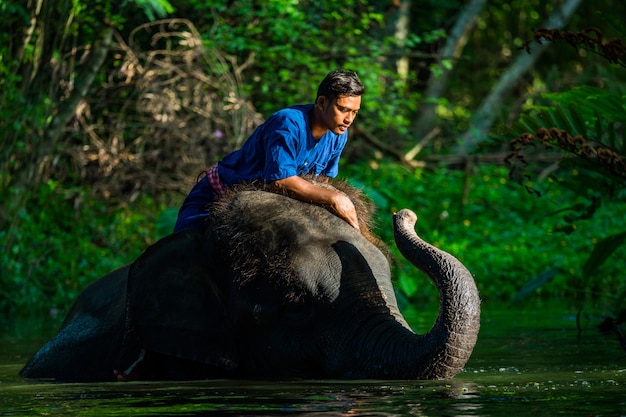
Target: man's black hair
<point x="341" y="82"/>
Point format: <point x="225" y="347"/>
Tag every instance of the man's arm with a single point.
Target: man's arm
<point x="303" y="190"/>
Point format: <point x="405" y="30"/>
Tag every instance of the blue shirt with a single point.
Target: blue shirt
<point x="282" y="147"/>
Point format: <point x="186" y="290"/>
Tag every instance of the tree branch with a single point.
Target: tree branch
<point x="484" y="117"/>
<point x="455" y="42"/>
<point x="67" y="109"/>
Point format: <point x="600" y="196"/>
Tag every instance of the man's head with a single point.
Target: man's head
<point x="340" y="83"/>
<point x="338" y="102"/>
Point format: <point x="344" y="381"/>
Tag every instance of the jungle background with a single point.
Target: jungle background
<point x="500" y="122"/>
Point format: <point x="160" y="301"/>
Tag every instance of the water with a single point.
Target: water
<point x="527" y="362"/>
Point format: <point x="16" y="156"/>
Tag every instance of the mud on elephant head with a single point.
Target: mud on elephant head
<point x="275" y="288"/>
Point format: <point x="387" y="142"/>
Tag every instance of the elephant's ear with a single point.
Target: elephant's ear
<point x="175" y="301"/>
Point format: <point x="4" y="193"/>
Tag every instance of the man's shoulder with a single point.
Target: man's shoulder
<point x="294" y="119"/>
<point x="298" y="112"/>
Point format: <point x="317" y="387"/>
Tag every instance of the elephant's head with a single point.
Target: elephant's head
<point x="277" y="287"/>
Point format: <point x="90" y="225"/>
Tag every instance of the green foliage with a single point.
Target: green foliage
<point x="64" y="241"/>
<point x="42" y="55"/>
<point x="294" y="44"/>
<point x="586" y="124"/>
<point x="506" y="238"/>
<point x="154" y="8"/>
<point x="584" y="110"/>
<point x="602" y="251"/>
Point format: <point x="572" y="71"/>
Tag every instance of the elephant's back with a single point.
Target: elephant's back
<point x="274" y="221"/>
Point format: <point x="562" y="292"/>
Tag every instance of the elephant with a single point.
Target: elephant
<point x="273" y="288"/>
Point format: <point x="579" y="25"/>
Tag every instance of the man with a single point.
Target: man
<point x="298" y="140"/>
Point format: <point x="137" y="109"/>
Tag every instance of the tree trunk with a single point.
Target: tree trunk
<point x="401" y="32"/>
<point x="28" y="173"/>
<point x="451" y="51"/>
<point x="484" y="117"/>
<point x="67" y="109"/>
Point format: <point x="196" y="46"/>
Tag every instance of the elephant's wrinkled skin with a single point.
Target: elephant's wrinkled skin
<point x="275" y="288"/>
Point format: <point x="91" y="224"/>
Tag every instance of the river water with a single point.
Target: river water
<point x="527" y="362"/>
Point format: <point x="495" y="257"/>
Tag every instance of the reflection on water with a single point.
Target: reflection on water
<point x="525" y="363"/>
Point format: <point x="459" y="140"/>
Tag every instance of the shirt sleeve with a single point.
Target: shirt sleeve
<point x="281" y="149"/>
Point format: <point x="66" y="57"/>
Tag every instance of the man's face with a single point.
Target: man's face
<point x="338" y="115"/>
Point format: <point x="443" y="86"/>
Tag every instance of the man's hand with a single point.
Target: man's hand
<point x="344" y="208"/>
<point x="303" y="190"/>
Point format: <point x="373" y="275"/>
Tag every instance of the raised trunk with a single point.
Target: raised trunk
<point x="443" y="351"/>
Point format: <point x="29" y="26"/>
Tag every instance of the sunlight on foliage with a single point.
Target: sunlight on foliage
<point x="505" y="236"/>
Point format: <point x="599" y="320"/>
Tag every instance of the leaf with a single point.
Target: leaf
<point x="154" y="9"/>
<point x="407" y="284"/>
<point x="546" y="116"/>
<point x="610" y="107"/>
<point x="576" y="120"/>
<point x="599" y="127"/>
<point x="530" y="123"/>
<point x="537" y="282"/>
<point x="563" y="121"/>
<point x="601" y="252"/>
<point x="612" y="136"/>
<point x="586" y="212"/>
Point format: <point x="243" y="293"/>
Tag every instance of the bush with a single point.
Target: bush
<point x="65" y="240"/>
<point x="504" y="235"/>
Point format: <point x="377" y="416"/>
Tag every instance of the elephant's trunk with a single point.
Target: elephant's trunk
<point x="451" y="340"/>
